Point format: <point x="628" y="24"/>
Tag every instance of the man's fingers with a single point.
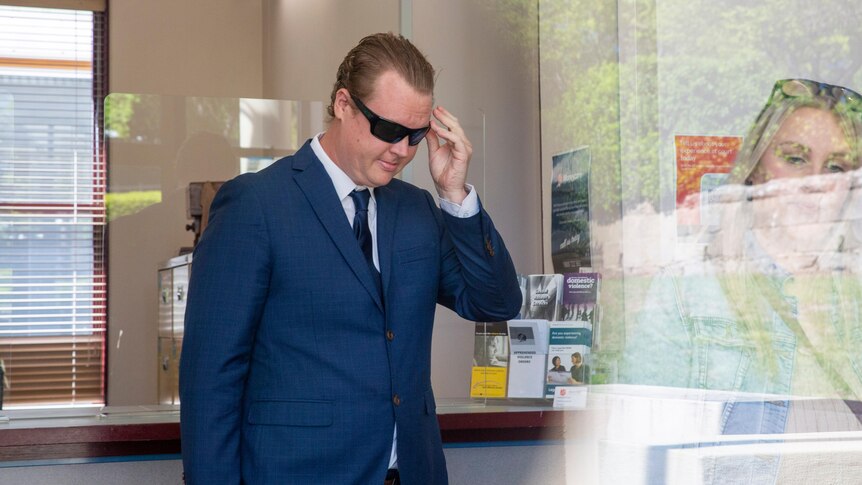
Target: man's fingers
<point x="455" y="137"/>
<point x="432" y="139"/>
<point x="449" y="120"/>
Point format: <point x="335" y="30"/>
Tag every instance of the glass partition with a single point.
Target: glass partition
<point x="167" y="157"/>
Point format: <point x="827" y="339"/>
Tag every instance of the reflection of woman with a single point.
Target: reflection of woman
<point x="774" y="307"/>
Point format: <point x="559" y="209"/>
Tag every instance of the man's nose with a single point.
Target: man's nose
<point x="401" y="147"/>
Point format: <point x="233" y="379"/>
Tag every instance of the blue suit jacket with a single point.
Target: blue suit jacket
<point x="289" y="371"/>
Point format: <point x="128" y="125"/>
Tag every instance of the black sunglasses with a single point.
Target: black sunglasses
<point x="806" y="88"/>
<point x="390" y="131"/>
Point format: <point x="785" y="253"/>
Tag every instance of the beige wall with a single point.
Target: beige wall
<point x="305" y="42"/>
<point x="289" y="49"/>
<point x="193" y="47"/>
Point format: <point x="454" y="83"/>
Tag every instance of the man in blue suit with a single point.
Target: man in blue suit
<point x="307" y="351"/>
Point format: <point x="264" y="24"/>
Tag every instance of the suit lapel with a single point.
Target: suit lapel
<point x="317" y="187"/>
<point x="387" y="214"/>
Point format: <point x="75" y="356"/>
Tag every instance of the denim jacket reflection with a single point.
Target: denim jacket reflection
<point x="687" y="335"/>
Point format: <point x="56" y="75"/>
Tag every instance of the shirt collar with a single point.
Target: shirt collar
<point x="341" y="181"/>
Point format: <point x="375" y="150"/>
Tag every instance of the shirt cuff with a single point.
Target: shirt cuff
<point x="469" y="207"/>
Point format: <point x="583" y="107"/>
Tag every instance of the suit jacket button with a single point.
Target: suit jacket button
<point x="396" y="400"/>
<point x="390" y="335"/>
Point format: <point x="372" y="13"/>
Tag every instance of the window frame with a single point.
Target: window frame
<point x="67" y="370"/>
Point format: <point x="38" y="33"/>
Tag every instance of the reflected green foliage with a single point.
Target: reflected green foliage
<point x="214" y="115"/>
<point x="141" y="118"/>
<point x="119" y="109"/>
<point x="133" y="117"/>
<point x="580" y="73"/>
<point x="582" y="78"/>
<point x="598" y="127"/>
<point x="760" y="43"/>
<point x="119" y="204"/>
<point x="517" y="18"/>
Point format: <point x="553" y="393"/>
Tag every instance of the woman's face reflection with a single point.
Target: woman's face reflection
<point x="810" y="142"/>
<point x="802" y="183"/>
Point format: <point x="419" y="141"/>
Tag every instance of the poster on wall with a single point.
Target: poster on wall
<point x="702" y="165"/>
<point x="570" y="210"/>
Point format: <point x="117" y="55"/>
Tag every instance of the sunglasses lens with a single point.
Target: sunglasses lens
<point x="388" y="131"/>
<point x="393" y="133"/>
<point x="418" y="135"/>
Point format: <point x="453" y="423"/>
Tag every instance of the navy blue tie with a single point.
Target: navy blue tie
<point x="360" y="225"/>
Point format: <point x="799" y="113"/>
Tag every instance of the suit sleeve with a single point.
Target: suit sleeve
<point x="227" y="291"/>
<point x="477" y="276"/>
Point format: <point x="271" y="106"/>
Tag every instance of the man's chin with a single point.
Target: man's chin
<point x="384" y="178"/>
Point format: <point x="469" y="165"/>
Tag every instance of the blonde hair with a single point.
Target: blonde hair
<point x="376" y="54"/>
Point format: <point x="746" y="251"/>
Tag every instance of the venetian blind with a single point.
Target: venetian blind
<point x="52" y="211"/>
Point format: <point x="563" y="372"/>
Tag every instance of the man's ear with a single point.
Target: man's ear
<point x="342" y="103"/>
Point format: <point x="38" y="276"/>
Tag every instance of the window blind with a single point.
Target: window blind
<point x="52" y="211"/>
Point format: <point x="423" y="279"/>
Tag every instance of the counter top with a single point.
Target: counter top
<point x="91" y="432"/>
<point x="136" y="431"/>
